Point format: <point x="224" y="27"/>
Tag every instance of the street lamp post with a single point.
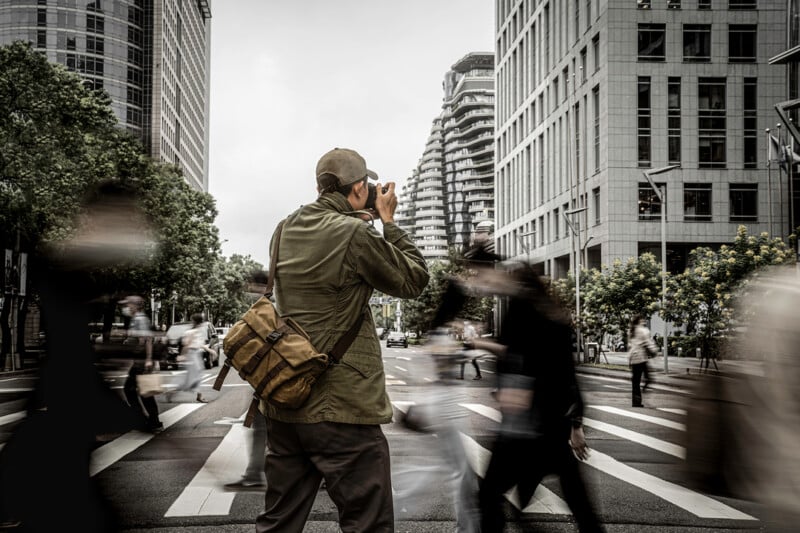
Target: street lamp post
<point x="577" y="265"/>
<point x="661" y="193"/>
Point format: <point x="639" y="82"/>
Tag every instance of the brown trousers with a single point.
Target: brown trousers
<point x="354" y="461"/>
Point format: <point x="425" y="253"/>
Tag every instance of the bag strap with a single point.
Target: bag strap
<point x="349" y="336"/>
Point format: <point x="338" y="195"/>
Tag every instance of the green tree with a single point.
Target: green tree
<point x="419" y="313"/>
<point x="609" y="297"/>
<point x="701" y="299"/>
<point x="57" y="140"/>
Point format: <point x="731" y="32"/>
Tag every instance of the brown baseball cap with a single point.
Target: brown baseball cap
<point x="347" y="165"/>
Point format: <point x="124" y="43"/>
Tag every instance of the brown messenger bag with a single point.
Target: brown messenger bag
<point x="273" y="353"/>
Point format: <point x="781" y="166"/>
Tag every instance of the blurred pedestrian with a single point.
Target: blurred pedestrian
<point x="254" y="478"/>
<point x="46" y="461"/>
<point x="328" y="262"/>
<point x="438" y="413"/>
<point x="642" y="348"/>
<point x="743" y="422"/>
<point x="140" y="333"/>
<point x="541" y="431"/>
<point x="470" y="353"/>
<point x="192" y="350"/>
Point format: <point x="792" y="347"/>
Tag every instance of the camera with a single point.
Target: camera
<point x="372" y="195"/>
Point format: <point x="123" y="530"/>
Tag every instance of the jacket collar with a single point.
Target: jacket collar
<point x="339" y="203"/>
<point x="335" y="201"/>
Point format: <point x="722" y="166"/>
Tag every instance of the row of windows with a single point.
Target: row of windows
<point x="742" y="201"/>
<point x="697" y="207"/>
<point x="701" y="4"/>
<point x="711" y="125"/>
<point x="742" y="42"/>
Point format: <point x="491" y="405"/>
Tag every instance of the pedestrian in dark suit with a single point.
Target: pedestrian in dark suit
<point x="541" y="431"/>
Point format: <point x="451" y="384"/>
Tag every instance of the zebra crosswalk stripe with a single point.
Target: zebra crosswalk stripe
<point x="689" y="500"/>
<point x="639" y="416"/>
<point x="205" y="495"/>
<point x="110" y="453"/>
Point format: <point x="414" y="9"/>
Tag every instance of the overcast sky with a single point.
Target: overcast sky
<point x="291" y="79"/>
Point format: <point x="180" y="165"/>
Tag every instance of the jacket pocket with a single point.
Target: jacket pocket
<point x="365" y="365"/>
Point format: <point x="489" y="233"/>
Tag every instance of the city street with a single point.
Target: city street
<point x="173" y="481"/>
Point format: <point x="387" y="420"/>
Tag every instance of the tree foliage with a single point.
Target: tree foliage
<point x="419" y="313"/>
<point x="610" y="296"/>
<point x="701" y="299"/>
<point x="58" y="140"/>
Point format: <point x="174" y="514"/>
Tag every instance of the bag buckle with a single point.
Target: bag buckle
<point x="274" y="336"/>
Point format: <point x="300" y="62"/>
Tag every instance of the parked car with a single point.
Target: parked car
<point x="397" y="338"/>
<point x="172" y="345"/>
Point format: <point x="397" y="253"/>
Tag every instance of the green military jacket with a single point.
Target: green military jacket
<point x="329" y="263"/>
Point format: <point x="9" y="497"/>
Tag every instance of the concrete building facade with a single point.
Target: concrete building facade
<point x="150" y="56"/>
<point x="591" y="93"/>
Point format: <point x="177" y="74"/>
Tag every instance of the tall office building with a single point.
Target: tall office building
<point x="452" y="189"/>
<point x="788" y="108"/>
<point x="591" y="93"/>
<point x="150" y="56"/>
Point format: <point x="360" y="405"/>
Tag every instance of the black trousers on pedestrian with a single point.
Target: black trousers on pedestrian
<point x="525" y="462"/>
<point x="354" y="461"/>
<point x="639" y="370"/>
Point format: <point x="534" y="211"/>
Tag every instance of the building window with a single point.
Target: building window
<point x="649" y="204"/>
<point x="596" y="198"/>
<point x="94" y="45"/>
<point x="652" y="42"/>
<point x="584" y="66"/>
<point x="643" y="4"/>
<point x="711" y="122"/>
<point x="674" y="120"/>
<point x="742" y="4"/>
<point x="703" y="4"/>
<point x="554" y="93"/>
<point x="41" y="17"/>
<point x="643" y="121"/>
<point x="41" y="39"/>
<point x="71" y="43"/>
<point x="673" y="4"/>
<point x="750" y="121"/>
<point x="596" y="51"/>
<point x="742" y="43"/>
<point x="596" y="105"/>
<point x="578" y="166"/>
<point x="95" y="23"/>
<point x="697" y="202"/>
<point x="743" y="202"/>
<point x="697" y="42"/>
<point x="556" y="225"/>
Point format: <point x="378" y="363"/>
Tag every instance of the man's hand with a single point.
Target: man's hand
<point x="386" y="202"/>
<point x="578" y="443"/>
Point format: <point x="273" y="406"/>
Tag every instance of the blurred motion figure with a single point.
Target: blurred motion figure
<point x="743" y="427"/>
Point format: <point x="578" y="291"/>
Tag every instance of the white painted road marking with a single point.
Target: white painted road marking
<point x="649" y="385"/>
<point x="13" y="417"/>
<point x="109" y="453"/>
<point x="639" y="416"/>
<point x="694" y="502"/>
<point x="673" y="411"/>
<point x="639" y="438"/>
<point x="205" y="494"/>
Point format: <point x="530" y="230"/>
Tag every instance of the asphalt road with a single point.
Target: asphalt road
<point x="172" y="481"/>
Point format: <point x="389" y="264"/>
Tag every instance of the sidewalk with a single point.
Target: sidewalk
<point x="681" y="371"/>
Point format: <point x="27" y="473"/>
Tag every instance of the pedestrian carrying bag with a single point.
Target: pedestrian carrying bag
<point x="273" y="353"/>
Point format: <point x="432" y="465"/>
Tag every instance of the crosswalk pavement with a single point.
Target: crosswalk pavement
<point x="650" y="430"/>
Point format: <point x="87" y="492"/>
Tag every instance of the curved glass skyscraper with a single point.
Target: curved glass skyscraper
<point x="150" y="56"/>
